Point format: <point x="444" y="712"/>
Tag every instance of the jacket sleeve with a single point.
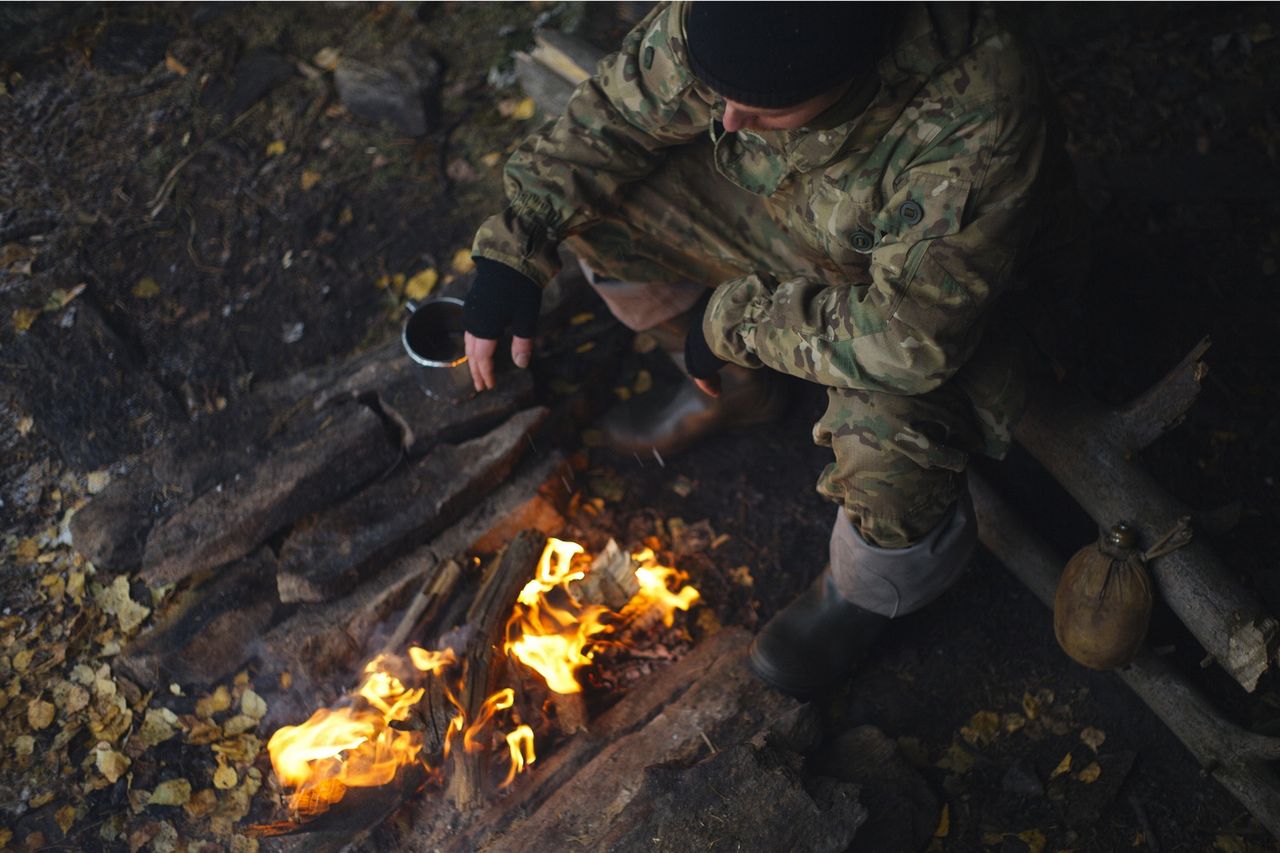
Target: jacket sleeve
<point x="561" y="179"/>
<point x="949" y="234"/>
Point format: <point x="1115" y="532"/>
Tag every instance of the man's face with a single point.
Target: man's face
<point x="739" y="116"/>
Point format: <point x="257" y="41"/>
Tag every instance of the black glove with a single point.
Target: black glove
<point x="699" y="360"/>
<point x="499" y="298"/>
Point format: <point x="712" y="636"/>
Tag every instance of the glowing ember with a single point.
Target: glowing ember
<point x="549" y="631"/>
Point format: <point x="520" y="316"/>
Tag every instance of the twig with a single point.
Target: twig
<point x="161" y="198"/>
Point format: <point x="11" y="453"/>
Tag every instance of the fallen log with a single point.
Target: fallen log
<point x="329" y="553"/>
<point x="1235" y="757"/>
<point x="1089" y="450"/>
<point x="348" y="449"/>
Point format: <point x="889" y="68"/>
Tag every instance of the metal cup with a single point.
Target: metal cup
<point x="433" y="338"/>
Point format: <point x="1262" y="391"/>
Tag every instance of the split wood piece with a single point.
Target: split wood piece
<point x="555" y="66"/>
<point x="482" y="663"/>
<point x="534" y="499"/>
<point x="329" y="553"/>
<point x="433" y="406"/>
<point x="1235" y="757"/>
<point x="111" y="530"/>
<point x="647" y="701"/>
<point x="207" y="631"/>
<point x="1089" y="450"/>
<point x="613" y="795"/>
<point x="349" y="449"/>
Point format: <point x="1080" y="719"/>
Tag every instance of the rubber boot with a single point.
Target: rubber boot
<point x="669" y="419"/>
<point x="815" y="642"/>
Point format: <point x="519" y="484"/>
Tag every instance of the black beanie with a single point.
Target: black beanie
<point x="778" y="54"/>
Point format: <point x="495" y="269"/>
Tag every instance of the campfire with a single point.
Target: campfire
<point x="554" y="630"/>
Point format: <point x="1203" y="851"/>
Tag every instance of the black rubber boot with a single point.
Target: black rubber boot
<point x="815" y="641"/>
<point x="670" y="419"/>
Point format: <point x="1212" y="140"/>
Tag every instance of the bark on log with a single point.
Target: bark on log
<point x="231" y="520"/>
<point x="481" y="661"/>
<point x="209" y="630"/>
<point x="430" y="406"/>
<point x="1235" y="757"/>
<point x="607" y="800"/>
<point x="1088" y="450"/>
<point x="330" y="553"/>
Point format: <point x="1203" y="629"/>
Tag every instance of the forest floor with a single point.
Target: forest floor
<point x="187" y="210"/>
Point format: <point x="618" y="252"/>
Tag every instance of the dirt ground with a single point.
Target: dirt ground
<point x="186" y="210"/>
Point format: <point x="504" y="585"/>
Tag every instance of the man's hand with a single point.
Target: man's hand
<point x="499" y="298"/>
<point x="702" y="364"/>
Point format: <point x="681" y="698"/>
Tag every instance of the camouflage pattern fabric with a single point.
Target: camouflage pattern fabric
<point x="864" y="253"/>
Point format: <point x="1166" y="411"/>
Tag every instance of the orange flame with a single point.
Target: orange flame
<point x="655" y="589"/>
<point x="349" y="747"/>
<point x="549" y="631"/>
<point x="554" y="640"/>
<point x="520" y="742"/>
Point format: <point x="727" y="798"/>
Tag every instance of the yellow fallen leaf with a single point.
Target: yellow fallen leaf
<point x="622" y="393"/>
<point x="173" y="792"/>
<point x="23" y="318"/>
<point x="146" y="288"/>
<point x="421" y="284"/>
<point x="1034" y="839"/>
<point x="171" y="62"/>
<point x="39" y="714"/>
<point x="346" y="217"/>
<point x="1090" y="774"/>
<point x="110" y="763"/>
<point x="75" y="699"/>
<point x="286" y="680"/>
<point x="96" y="481"/>
<point x="491" y="159"/>
<point x="524" y="110"/>
<point x="585" y="347"/>
<point x="1093" y="738"/>
<point x="6" y="836"/>
<point x="462" y="261"/>
<point x="944" y="822"/>
<point x="216" y="702"/>
<point x="253" y="705"/>
<point x="41" y="799"/>
<point x="65" y="817"/>
<point x="27" y="551"/>
<point x="584" y="317"/>
<point x="276" y="148"/>
<point x="201" y="804"/>
<point x="309" y="179"/>
<point x="643" y="383"/>
<point x="1014" y="722"/>
<point x="157" y="727"/>
<point x="1064" y="766"/>
<point x="24" y="745"/>
<point x="1230" y="844"/>
<point x="115" y="600"/>
<point x="957" y="760"/>
<point x="326" y="58"/>
<point x="225" y="778"/>
<point x="239" y="724"/>
<point x="25" y="424"/>
<point x="982" y="728"/>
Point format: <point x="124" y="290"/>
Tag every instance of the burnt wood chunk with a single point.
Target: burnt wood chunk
<point x="209" y="630"/>
<point x="330" y="553"/>
<point x="349" y="448"/>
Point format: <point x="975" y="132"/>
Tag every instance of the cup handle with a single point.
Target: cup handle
<point x="410" y="305"/>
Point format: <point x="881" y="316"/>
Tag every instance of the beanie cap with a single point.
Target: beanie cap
<point x="779" y="54"/>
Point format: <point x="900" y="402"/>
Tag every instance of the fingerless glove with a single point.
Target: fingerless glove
<point x="501" y="298"/>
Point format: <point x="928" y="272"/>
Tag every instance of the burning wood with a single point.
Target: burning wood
<point x="366" y="741"/>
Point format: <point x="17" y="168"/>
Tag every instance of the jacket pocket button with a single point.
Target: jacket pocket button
<point x="862" y="241"/>
<point x="911" y="212"/>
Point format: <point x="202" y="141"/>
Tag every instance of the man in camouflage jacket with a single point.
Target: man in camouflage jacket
<point x="844" y="193"/>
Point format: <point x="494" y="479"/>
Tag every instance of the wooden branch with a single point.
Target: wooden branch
<point x="1233" y="756"/>
<point x="1075" y="439"/>
<point x="1162" y="407"/>
<point x="482" y="662"/>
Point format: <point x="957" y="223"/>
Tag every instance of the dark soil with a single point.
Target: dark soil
<point x="141" y="158"/>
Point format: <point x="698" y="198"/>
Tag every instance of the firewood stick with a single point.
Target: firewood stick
<point x="1233" y="756"/>
<point x="1088" y="450"/>
<point x="487" y="619"/>
<point x="571" y="712"/>
<point x="424" y="606"/>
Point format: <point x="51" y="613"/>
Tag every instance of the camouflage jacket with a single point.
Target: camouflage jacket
<point x="921" y="197"/>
